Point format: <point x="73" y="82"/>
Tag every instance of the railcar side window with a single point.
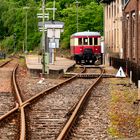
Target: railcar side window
<point x="90" y="41"/>
<point x="95" y="41"/>
<point x="79" y="41"/>
<point x="85" y="41"/>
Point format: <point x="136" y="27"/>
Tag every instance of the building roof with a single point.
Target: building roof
<point x="52" y="24"/>
<point x="86" y="33"/>
<point x="126" y="3"/>
<point x="106" y="1"/>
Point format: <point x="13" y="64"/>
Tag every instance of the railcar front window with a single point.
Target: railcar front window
<point x="95" y="41"/>
<point x="90" y="41"/>
<point x="85" y="41"/>
<point x="80" y="41"/>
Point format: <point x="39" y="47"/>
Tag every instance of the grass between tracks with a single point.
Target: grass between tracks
<point x="4" y="60"/>
<point x="124" y="120"/>
<point x="22" y="62"/>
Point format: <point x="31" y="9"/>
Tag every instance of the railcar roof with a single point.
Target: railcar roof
<point x="86" y="33"/>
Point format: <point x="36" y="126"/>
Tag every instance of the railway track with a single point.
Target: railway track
<point x="50" y="113"/>
<point x="4" y="63"/>
<point x="69" y="127"/>
<point x="20" y="107"/>
<point x="7" y="97"/>
<point x="93" y="121"/>
<point x="46" y="116"/>
<point x="11" y="120"/>
<point x="38" y="114"/>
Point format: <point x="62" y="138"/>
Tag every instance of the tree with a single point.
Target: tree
<point x="90" y="18"/>
<point x="12" y="20"/>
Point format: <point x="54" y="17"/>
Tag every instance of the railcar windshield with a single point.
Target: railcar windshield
<point x="79" y="41"/>
<point x="85" y="41"/>
<point x="95" y="41"/>
<point x="90" y="41"/>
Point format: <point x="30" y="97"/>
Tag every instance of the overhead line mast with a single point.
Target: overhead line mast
<point x="77" y="3"/>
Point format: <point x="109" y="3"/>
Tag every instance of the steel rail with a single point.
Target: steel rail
<point x="10" y="112"/>
<point x="4" y="63"/>
<point x="27" y="102"/>
<point x="17" y="104"/>
<point x="89" y="75"/>
<point x="20" y="105"/>
<point x="22" y="115"/>
<point x="24" y="104"/>
<point x="68" y="126"/>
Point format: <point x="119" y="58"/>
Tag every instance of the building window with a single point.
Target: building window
<point x="115" y="38"/>
<point x="117" y="6"/>
<point x="114" y="9"/>
<point x="127" y="35"/>
<point x="107" y="12"/>
<point x="133" y="24"/>
<point x="133" y="35"/>
<point x="79" y="41"/>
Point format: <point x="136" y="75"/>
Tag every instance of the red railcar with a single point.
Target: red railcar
<point x="86" y="46"/>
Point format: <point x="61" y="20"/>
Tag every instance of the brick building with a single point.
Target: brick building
<point x="131" y="31"/>
<point x="113" y="27"/>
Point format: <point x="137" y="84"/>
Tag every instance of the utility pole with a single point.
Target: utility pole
<point x="26" y="34"/>
<point x="54" y="10"/>
<point x="45" y="50"/>
<point x="54" y="50"/>
<point x="26" y="30"/>
<point x="77" y="3"/>
<point x="43" y="35"/>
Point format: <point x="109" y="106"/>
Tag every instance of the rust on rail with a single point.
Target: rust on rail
<point x="9" y="113"/>
<point x="68" y="126"/>
<point x="47" y="91"/>
<point x="4" y="63"/>
<point x="22" y="115"/>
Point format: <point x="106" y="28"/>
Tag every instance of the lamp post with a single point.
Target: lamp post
<point x="26" y="30"/>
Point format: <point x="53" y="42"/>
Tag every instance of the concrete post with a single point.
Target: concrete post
<point x="138" y="89"/>
<point x="138" y="97"/>
<point x="130" y="77"/>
